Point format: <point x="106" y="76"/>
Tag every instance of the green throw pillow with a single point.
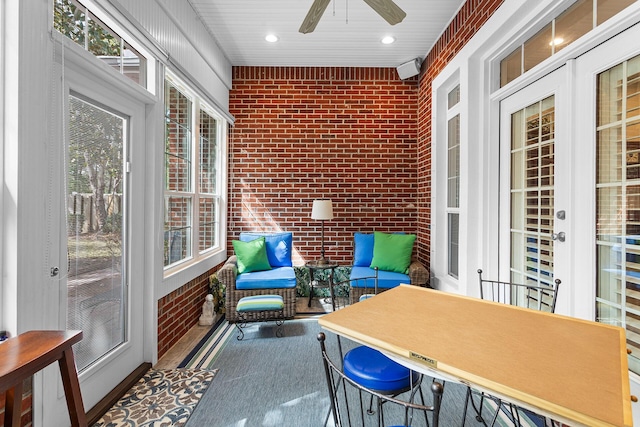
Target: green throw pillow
<point x="252" y="256"/>
<point x="392" y="252"/>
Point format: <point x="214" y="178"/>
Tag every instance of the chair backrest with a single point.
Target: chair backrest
<point x="364" y="284"/>
<point x="362" y="287"/>
<point x="538" y="296"/>
<point x="347" y="403"/>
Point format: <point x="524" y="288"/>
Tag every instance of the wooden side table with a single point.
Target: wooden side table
<point x="28" y="353"/>
<point x="314" y="266"/>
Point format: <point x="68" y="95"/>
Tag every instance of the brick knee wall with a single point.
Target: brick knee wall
<point x="26" y="419"/>
<point x="180" y="310"/>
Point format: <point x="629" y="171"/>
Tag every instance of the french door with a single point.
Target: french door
<point x="100" y="201"/>
<point x="570" y="185"/>
<point x="535" y="207"/>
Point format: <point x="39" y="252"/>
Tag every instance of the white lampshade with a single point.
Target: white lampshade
<point x="322" y="210"/>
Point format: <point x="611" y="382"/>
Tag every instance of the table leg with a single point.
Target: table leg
<point x="311" y="274"/>
<point x="72" y="389"/>
<point x="13" y="406"/>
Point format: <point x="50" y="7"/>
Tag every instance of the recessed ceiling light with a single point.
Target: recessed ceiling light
<point x="388" y="40"/>
<point x="271" y="38"/>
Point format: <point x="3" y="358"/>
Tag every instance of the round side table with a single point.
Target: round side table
<point x="313" y="267"/>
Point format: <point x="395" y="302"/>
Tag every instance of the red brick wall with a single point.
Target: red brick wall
<point x="471" y="16"/>
<point x="180" y="310"/>
<point x="348" y="134"/>
<point x="25" y="408"/>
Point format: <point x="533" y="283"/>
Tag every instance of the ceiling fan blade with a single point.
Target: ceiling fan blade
<point x="390" y="11"/>
<point x="313" y="16"/>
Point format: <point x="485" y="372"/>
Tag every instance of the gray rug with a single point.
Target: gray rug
<point x="269" y="381"/>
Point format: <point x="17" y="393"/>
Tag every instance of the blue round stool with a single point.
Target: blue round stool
<point x="372" y="369"/>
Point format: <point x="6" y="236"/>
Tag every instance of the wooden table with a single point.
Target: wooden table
<point x="28" y="353"/>
<point x="571" y="370"/>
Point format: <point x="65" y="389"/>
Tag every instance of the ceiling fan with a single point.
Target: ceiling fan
<point x="385" y="8"/>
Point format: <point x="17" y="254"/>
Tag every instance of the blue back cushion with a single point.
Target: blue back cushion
<point x="363" y="249"/>
<point x="279" y="247"/>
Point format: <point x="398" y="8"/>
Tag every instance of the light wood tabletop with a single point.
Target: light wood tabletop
<point x="572" y="370"/>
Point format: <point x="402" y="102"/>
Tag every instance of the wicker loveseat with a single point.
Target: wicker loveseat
<point x="393" y="257"/>
<point x="279" y="279"/>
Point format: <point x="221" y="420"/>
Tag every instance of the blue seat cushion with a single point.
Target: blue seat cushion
<point x="260" y="303"/>
<point x="279" y="247"/>
<point x="386" y="279"/>
<point x="374" y="370"/>
<point x="276" y="278"/>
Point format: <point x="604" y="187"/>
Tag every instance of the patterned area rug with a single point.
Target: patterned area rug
<point x="164" y="397"/>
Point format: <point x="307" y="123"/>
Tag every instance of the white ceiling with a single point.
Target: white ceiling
<point x="239" y="27"/>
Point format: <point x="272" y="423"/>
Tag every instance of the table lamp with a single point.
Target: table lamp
<point x="322" y="210"/>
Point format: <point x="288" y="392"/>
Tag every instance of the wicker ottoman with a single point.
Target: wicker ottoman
<point x="263" y="308"/>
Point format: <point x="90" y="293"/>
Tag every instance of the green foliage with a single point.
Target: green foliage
<point x="217" y="289"/>
<point x="113" y="223"/>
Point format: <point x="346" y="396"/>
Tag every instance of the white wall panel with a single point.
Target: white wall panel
<point x="177" y="29"/>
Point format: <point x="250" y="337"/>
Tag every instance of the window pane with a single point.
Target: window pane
<point x="511" y="66"/>
<point x="178" y="140"/>
<point x="573" y="23"/>
<point x="208" y="223"/>
<point x="537" y="48"/>
<point x="454" y="97"/>
<point x="610" y="95"/>
<point x="454" y="226"/>
<point x="69" y="19"/>
<point x="102" y="41"/>
<point x="532" y="192"/>
<point x="633" y="151"/>
<point x="609" y="8"/>
<point x="453" y="163"/>
<point x="96" y="296"/>
<point x="208" y="151"/>
<point x="177" y="229"/>
<point x="633" y="87"/>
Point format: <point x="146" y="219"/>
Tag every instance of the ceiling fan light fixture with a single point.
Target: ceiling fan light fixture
<point x="271" y="38"/>
<point x="388" y="39"/>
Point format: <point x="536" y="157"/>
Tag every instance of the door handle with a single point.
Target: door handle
<point x="560" y="237"/>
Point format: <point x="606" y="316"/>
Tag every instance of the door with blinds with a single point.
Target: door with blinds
<point x="534" y="211"/>
<point x="99" y="249"/>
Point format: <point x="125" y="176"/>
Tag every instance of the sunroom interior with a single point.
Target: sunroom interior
<point x="152" y="143"/>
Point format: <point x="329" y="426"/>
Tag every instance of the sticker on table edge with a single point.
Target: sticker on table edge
<point x="423" y="359"/>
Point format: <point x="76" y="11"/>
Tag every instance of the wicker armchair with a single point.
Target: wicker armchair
<point x="417" y="273"/>
<point x="228" y="276"/>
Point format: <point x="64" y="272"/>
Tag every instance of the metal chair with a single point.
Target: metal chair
<point x="368" y="367"/>
<point x="346" y="396"/>
<point x="536" y="296"/>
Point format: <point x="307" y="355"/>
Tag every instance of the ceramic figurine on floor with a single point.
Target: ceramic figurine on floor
<point x="207" y="311"/>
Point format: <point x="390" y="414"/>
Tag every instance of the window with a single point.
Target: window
<point x="533" y="140"/>
<point x="580" y="18"/>
<point x="77" y="22"/>
<point x="453" y="182"/>
<point x="193" y="140"/>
